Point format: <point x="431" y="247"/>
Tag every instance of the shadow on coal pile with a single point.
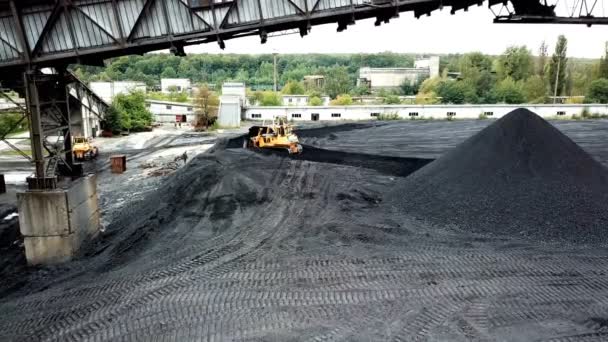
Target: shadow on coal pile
<point x="394" y="166"/>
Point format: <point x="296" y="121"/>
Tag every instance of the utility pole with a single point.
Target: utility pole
<point x="274" y="54"/>
<point x="559" y="64"/>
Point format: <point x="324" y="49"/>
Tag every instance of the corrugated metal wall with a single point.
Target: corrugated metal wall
<point x="229" y="113"/>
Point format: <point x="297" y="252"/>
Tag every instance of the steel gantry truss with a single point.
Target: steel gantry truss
<point x="587" y="12"/>
<point x="47" y="32"/>
<point x="51" y="99"/>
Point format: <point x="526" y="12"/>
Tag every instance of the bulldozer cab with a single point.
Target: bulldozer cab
<point x="80" y="140"/>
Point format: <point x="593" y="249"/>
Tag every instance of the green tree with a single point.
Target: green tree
<point x="12" y="123"/>
<point x="134" y="115"/>
<point x="603" y="67"/>
<point x="255" y="97"/>
<point x="270" y="98"/>
<point x="510" y="92"/>
<point x="112" y="121"/>
<point x="315" y="101"/>
<point x="207" y="105"/>
<point x="392" y="100"/>
<point x="409" y="88"/>
<point x="342" y="100"/>
<point x="516" y="62"/>
<point x="476" y="70"/>
<point x="360" y="91"/>
<point x="337" y="82"/>
<point x="456" y="92"/>
<point x="558" y="66"/>
<point x="542" y="59"/>
<point x="430" y="85"/>
<point x="294" y="88"/>
<point x="598" y="91"/>
<point x="535" y="89"/>
<point x="168" y="72"/>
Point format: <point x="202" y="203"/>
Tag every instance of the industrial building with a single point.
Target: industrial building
<point x="438" y="112"/>
<point x="168" y="85"/>
<point x="301" y="100"/>
<point x="314" y="81"/>
<point x="392" y="78"/>
<point x="108" y="90"/>
<point x="171" y="112"/>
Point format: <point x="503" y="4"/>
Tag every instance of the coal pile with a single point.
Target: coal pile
<point x="519" y="177"/>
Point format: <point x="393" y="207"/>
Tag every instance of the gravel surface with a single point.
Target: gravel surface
<point x="245" y="246"/>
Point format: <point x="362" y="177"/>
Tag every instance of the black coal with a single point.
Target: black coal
<point x="519" y="176"/>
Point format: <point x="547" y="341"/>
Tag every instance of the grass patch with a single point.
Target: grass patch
<point x="11" y="152"/>
<point x="15" y="133"/>
<point x="389" y="117"/>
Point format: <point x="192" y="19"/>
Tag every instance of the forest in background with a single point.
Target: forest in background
<point x="519" y="75"/>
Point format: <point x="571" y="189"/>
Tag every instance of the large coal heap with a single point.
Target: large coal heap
<point x="519" y="176"/>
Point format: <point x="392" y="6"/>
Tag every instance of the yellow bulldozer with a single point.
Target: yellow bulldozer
<point x="83" y="149"/>
<point x="276" y="135"/>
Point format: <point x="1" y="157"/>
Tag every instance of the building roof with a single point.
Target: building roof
<point x="184" y="104"/>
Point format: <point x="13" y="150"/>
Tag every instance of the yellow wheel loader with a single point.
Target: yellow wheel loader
<point x="277" y="135"/>
<point x="83" y="149"/>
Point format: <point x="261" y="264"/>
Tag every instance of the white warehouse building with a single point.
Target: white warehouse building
<point x="391" y="78"/>
<point x="171" y="112"/>
<point x="439" y="112"/>
<point x="167" y="85"/>
<point x="108" y="90"/>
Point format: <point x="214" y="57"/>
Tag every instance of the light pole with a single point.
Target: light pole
<point x="275" y="54"/>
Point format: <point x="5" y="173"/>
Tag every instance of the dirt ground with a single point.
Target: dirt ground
<point x="246" y="246"/>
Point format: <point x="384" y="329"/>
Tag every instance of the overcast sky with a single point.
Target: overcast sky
<point x="440" y="33"/>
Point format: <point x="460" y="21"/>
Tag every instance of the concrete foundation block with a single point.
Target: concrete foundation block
<point x="43" y="213"/>
<point x="55" y="223"/>
<point x="50" y="249"/>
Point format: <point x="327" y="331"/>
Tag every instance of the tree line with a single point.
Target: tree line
<point x="516" y="76"/>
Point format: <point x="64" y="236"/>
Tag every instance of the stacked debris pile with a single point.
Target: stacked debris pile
<point x="520" y="177"/>
<point x="162" y="166"/>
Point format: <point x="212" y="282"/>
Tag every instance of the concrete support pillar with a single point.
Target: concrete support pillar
<point x="56" y="222"/>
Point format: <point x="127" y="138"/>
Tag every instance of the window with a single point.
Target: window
<point x="561" y="113"/>
<point x="148" y="105"/>
<point x="189" y="109"/>
<point x="256" y="116"/>
<point x="412" y="114"/>
<point x="488" y="113"/>
<point x="169" y="107"/>
<point x="290" y="100"/>
<point x="374" y="115"/>
<point x="451" y="114"/>
<point x="295" y="115"/>
<point x="336" y="115"/>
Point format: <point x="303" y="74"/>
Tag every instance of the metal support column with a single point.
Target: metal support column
<point x="36" y="134"/>
<point x="48" y="102"/>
